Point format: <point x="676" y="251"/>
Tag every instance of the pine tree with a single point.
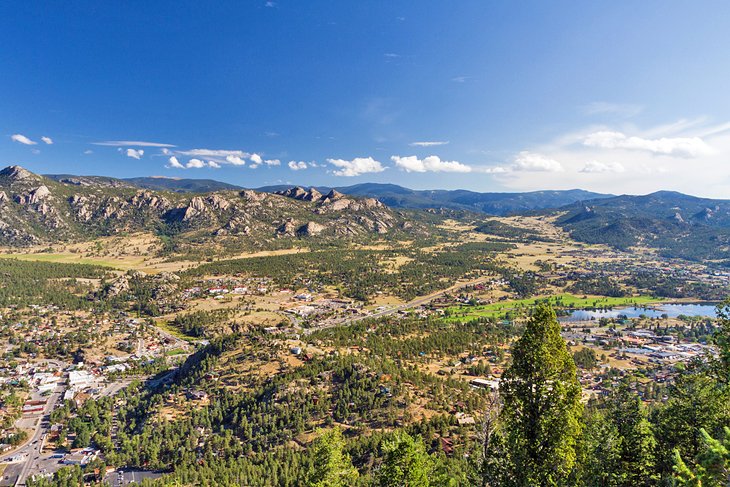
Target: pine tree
<point x="542" y="412"/>
<point x="637" y="465"/>
<point x="406" y="462"/>
<point x="332" y="466"/>
<point x="713" y="464"/>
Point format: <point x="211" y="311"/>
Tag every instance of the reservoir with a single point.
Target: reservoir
<point x="670" y="309"/>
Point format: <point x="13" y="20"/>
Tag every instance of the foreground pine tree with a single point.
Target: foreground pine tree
<point x="541" y="412"/>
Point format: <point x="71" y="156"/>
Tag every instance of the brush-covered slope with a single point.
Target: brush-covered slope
<point x="677" y="224"/>
<point x="36" y="209"/>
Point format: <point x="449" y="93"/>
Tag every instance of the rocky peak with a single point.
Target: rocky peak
<point x="251" y="195"/>
<point x="17" y="173"/>
<point x="333" y="195"/>
<point x="313" y="195"/>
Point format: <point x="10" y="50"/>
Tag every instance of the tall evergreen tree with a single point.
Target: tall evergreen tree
<point x="713" y="464"/>
<point x="332" y="466"/>
<point x="636" y="440"/>
<point x="541" y="416"/>
<point x="406" y="462"/>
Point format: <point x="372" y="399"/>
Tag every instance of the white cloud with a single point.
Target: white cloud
<point x="47" y="140"/>
<point x="256" y="159"/>
<point x="166" y="151"/>
<point x="534" y="162"/>
<point x="195" y="164"/>
<point x="214" y="165"/>
<point x="602" y="167"/>
<point x="235" y="160"/>
<point x="22" y="139"/>
<point x="135" y="153"/>
<point x="356" y="167"/>
<point x="133" y="143"/>
<point x="174" y="163"/>
<point x="270" y="4"/>
<point x="689" y="147"/>
<point x="429" y="143"/>
<point x="272" y="162"/>
<point x="428" y="164"/>
<point x="88" y="151"/>
<point x="297" y="166"/>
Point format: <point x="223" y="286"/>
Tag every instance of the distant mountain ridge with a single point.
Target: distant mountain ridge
<point x="499" y="204"/>
<point x="676" y="224"/>
<point x="157" y="183"/>
<point x="393" y="195"/>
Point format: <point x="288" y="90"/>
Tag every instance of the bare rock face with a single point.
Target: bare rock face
<point x="287" y="228"/>
<point x="35" y="196"/>
<point x="17" y="173"/>
<point x="82" y="207"/>
<point x="3" y="197"/>
<point x="312" y="195"/>
<point x="310" y="229"/>
<point x="195" y="208"/>
<point x="147" y="199"/>
<point x="250" y="195"/>
<point x="215" y="201"/>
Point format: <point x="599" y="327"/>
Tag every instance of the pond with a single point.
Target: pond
<point x="670" y="309"/>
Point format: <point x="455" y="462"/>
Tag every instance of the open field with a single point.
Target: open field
<point x="568" y="301"/>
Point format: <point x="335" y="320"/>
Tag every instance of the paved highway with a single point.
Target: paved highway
<point x="32" y="448"/>
<point x="394" y="309"/>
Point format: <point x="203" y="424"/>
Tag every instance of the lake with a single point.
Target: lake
<point x="671" y="309"/>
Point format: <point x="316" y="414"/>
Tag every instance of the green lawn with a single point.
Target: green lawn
<point x="565" y="301"/>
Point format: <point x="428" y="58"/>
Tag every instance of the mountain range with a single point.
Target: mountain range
<point x="392" y="195"/>
<point x="36" y="209"/>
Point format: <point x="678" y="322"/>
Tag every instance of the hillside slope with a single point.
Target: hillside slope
<point x="676" y="224"/>
<point x="36" y="209"/>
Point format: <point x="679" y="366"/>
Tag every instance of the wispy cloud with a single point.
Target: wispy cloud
<point x="429" y="164"/>
<point x="47" y="140"/>
<point x="602" y="167"/>
<point x="135" y="153"/>
<point x="672" y="146"/>
<point x="131" y="143"/>
<point x="356" y="167"/>
<point x="429" y="143"/>
<point x="605" y="108"/>
<point x="22" y="139"/>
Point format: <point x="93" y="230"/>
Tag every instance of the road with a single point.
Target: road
<point x="420" y="301"/>
<point x="32" y="448"/>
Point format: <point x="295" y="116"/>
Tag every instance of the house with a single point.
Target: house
<point x="491" y="385"/>
<point x="197" y="395"/>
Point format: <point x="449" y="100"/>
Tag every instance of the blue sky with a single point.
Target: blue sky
<point x="622" y="97"/>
